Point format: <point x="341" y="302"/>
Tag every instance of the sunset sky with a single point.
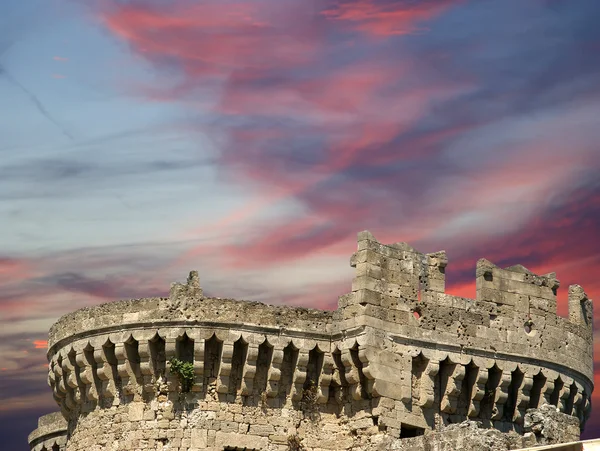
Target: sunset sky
<point x="252" y="140"/>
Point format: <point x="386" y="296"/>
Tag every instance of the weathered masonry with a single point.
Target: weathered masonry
<point x="399" y="358"/>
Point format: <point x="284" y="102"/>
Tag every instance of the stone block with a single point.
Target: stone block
<point x="369" y="256"/>
<point x="366" y="296"/>
<point x="136" y="411"/>
<point x="369" y="269"/>
<point x="262" y="429"/>
<point x="366" y="283"/>
<point x="397" y="277"/>
<point x="224" y="439"/>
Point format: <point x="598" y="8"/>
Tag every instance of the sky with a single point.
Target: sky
<point x="252" y="139"/>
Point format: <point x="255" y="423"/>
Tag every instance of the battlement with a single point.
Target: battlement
<point x="516" y="286"/>
<point x="514" y="311"/>
<point x="398" y="357"/>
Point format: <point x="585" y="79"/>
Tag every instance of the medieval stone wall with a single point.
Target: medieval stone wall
<point x="398" y="358"/>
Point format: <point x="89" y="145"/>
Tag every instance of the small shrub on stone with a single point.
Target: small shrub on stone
<point x="184" y="372"/>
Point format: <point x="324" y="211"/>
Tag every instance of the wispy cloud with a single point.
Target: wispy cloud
<point x="40" y="107"/>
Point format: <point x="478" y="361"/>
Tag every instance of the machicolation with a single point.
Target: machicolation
<point x="396" y="365"/>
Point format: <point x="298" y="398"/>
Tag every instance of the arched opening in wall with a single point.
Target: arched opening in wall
<point x="288" y="367"/>
<point x="558" y="386"/>
<point x="213" y="349"/>
<point x="419" y="364"/>
<point x="466" y="391"/>
<point x="516" y="379"/>
<point x="314" y="368"/>
<point x="447" y="368"/>
<point x="158" y="356"/>
<point x="61" y="374"/>
<point x="55" y="447"/>
<point x="486" y="407"/>
<point x="132" y="353"/>
<point x="238" y="359"/>
<point x="61" y="379"/>
<point x="338" y="389"/>
<point x="539" y="380"/>
<point x="571" y="399"/>
<point x="88" y="355"/>
<point x="581" y="410"/>
<point x="109" y="352"/>
<point x="184" y="348"/>
<point x="354" y="354"/>
<point x="310" y="388"/>
<point x="72" y="356"/>
<point x="263" y="363"/>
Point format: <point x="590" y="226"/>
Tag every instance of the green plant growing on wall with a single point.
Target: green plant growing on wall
<point x="184" y="372"/>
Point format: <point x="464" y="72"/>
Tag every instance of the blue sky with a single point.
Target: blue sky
<point x="252" y="139"/>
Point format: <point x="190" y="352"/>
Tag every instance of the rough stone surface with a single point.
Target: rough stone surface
<point x="542" y="426"/>
<point x="549" y="426"/>
<point x="468" y="435"/>
<point x="398" y="358"/>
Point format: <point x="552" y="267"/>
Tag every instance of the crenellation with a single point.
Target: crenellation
<point x="581" y="310"/>
<point x="398" y="357"/>
<point x="516" y="286"/>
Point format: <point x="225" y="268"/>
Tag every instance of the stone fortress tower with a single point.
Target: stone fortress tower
<point x="397" y="364"/>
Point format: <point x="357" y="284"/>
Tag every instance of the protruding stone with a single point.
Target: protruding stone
<point x="484" y="267"/>
<point x="366" y="235"/>
<point x="519" y="268"/>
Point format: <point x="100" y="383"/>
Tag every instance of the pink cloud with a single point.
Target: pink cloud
<point x="14" y="270"/>
<point x="381" y="18"/>
<point x="216" y="38"/>
<point x="40" y="344"/>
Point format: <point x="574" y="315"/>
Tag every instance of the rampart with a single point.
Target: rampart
<point x="398" y="358"/>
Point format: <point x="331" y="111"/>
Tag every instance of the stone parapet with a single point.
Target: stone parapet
<point x="153" y="312"/>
